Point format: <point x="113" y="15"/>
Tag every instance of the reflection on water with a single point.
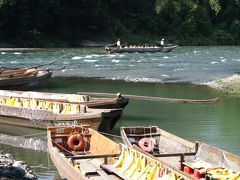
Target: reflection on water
<point x="26" y="143"/>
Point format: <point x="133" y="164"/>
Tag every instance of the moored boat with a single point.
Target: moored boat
<point x="198" y="159"/>
<point x="159" y="143"/>
<point x="139" y="49"/>
<point x="29" y="110"/>
<point x="82" y="153"/>
<point x="92" y="102"/>
<point x="26" y="80"/>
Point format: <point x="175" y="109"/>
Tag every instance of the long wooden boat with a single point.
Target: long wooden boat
<point x="140" y="49"/>
<point x="81" y="153"/>
<point x="32" y="111"/>
<point x="26" y="80"/>
<point x="198" y="159"/>
<point x="92" y="102"/>
<point x="109" y="117"/>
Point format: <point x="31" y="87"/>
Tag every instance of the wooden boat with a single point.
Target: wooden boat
<point x="109" y="117"/>
<point x="92" y="102"/>
<point x="26" y="80"/>
<point x="197" y="159"/>
<point x="81" y="153"/>
<point x="33" y="111"/>
<point x="155" y="49"/>
<point x="163" y="144"/>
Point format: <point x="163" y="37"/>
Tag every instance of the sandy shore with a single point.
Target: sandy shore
<point x="230" y="84"/>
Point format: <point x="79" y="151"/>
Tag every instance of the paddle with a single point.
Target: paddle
<point x="116" y="48"/>
<point x="149" y="98"/>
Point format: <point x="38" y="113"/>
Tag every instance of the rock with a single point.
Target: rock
<point x="30" y="176"/>
<point x="12" y="169"/>
<point x="8" y="156"/>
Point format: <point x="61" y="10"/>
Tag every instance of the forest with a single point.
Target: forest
<point x="67" y="23"/>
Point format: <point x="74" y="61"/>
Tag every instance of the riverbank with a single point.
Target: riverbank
<point x="13" y="169"/>
<point x="228" y="85"/>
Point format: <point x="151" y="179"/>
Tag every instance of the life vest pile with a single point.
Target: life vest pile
<point x="55" y="107"/>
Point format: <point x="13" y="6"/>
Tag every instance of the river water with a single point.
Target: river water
<point x="178" y="74"/>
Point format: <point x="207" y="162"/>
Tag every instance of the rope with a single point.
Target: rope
<point x="108" y="134"/>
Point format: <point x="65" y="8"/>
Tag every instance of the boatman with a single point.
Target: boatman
<point x="118" y="43"/>
<point x="162" y="42"/>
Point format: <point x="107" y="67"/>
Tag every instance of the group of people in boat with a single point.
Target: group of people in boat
<point x="139" y="46"/>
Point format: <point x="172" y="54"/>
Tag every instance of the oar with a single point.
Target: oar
<point x="49" y="63"/>
<point x="149" y="98"/>
<point x="116" y="48"/>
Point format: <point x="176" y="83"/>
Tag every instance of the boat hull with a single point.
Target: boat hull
<point x="44" y="109"/>
<point x="101" y="120"/>
<point x="141" y="50"/>
<point x="42" y="124"/>
<point x="27" y="82"/>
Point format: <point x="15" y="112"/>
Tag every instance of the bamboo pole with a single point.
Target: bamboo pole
<point x="149" y="98"/>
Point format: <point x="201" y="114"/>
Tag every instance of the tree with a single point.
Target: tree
<point x="192" y="4"/>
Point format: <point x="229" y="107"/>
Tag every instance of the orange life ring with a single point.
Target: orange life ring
<point x="147" y="144"/>
<point x="75" y="142"/>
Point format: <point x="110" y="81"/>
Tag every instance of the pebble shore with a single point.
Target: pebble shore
<point x="229" y="85"/>
<point x="12" y="169"/>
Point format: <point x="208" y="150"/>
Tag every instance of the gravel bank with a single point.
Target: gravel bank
<point x="12" y="169"/>
<point x="230" y="84"/>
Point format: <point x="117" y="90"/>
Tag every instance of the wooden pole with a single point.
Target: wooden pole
<point x="149" y="98"/>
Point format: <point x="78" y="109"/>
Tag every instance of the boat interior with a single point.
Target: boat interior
<point x="100" y="156"/>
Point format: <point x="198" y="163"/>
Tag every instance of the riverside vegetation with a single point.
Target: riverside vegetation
<point x="58" y="23"/>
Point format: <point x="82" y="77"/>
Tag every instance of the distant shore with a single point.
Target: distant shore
<point x="229" y="85"/>
<point x="20" y="49"/>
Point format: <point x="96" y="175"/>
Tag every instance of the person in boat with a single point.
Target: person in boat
<point x="162" y="42"/>
<point x="119" y="44"/>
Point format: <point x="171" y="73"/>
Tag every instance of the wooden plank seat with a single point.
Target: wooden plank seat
<point x="81" y="157"/>
<point x="110" y="169"/>
<point x="144" y="135"/>
<point x="93" y="167"/>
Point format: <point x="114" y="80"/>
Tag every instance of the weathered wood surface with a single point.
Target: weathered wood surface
<point x="149" y="98"/>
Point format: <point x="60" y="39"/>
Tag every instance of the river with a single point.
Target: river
<point x="178" y="74"/>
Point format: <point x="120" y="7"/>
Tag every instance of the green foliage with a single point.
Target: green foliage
<point x="66" y="22"/>
<point x="223" y="38"/>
